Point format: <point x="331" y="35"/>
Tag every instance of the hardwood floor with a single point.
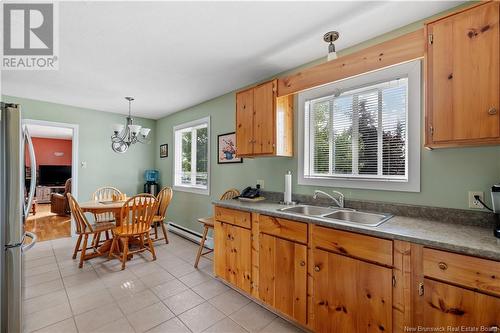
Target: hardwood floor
<point x="47" y="225"/>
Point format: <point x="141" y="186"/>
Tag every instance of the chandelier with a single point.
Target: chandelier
<point x="124" y="136"/>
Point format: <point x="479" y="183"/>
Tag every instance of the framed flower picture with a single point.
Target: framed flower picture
<point x="226" y="149"/>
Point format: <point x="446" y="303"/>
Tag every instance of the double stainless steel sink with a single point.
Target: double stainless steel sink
<point x="343" y="215"/>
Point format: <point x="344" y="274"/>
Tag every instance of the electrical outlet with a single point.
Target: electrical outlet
<point x="473" y="203"/>
<point x="261" y="183"/>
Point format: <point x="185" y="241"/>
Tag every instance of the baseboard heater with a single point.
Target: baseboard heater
<point x="189" y="234"/>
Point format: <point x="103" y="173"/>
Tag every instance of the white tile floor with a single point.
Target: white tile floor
<point x="166" y="295"/>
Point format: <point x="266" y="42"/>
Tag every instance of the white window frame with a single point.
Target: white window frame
<point x="413" y="71"/>
<point x="193" y="188"/>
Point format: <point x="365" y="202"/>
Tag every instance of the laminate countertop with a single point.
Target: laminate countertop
<point x="470" y="239"/>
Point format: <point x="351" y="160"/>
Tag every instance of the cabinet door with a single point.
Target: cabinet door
<point x="264" y="118"/>
<point x="232" y="255"/>
<point x="244" y="122"/>
<point x="350" y="295"/>
<point x="220" y="249"/>
<point x="239" y="257"/>
<point x="464" y="75"/>
<point x="283" y="276"/>
<point x="447" y="305"/>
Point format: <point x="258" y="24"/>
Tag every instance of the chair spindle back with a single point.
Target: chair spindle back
<point x="82" y="224"/>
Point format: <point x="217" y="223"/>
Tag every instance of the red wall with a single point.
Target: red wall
<point x="45" y="148"/>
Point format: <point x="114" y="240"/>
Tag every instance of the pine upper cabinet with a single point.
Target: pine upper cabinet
<point x="264" y="122"/>
<point x="463" y="74"/>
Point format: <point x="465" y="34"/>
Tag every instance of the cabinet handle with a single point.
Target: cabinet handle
<point x="421" y="289"/>
<point x="316" y="268"/>
<point x="302" y="263"/>
<point x="443" y="266"/>
<point x="492" y="111"/>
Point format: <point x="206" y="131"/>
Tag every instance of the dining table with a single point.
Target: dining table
<point x="101" y="207"/>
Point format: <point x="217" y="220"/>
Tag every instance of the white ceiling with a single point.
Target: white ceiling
<point x="50" y="132"/>
<point x="172" y="55"/>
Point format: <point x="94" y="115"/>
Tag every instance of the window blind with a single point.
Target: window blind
<point x="360" y="132"/>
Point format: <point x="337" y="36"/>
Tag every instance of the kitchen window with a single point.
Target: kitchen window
<point x="192" y="156"/>
<point x="363" y="132"/>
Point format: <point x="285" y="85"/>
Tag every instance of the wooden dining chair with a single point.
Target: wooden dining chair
<point x="164" y="198"/>
<point x="136" y="216"/>
<point x="84" y="229"/>
<point x="208" y="223"/>
<point x="106" y="193"/>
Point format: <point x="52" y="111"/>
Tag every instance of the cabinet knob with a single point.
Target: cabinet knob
<point x="316" y="268"/>
<point x="492" y="111"/>
<point x="302" y="263"/>
<point x="442" y="266"/>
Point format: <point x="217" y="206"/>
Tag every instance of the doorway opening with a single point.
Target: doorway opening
<point x="56" y="155"/>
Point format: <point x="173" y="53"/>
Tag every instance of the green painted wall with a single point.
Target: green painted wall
<point x="104" y="167"/>
<point x="446" y="175"/>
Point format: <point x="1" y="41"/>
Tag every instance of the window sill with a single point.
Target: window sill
<point x="191" y="189"/>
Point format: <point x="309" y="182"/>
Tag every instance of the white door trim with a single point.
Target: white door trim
<point x="74" y="154"/>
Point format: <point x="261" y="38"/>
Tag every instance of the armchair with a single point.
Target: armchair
<point x="59" y="202"/>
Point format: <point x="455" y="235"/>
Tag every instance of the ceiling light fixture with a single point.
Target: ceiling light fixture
<point x="125" y="136"/>
<point x="331" y="37"/>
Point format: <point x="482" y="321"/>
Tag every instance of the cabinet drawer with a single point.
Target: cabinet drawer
<point x="360" y="246"/>
<point x="232" y="216"/>
<point x="291" y="230"/>
<point x="476" y="273"/>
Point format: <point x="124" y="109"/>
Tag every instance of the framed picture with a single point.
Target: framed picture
<point x="164" y="150"/>
<point x="226" y="149"/>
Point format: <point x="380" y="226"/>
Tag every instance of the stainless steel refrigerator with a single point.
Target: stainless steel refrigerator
<point x="15" y="203"/>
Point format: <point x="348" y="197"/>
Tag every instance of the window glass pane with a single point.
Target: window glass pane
<point x="360" y="132"/>
<point x="394" y="128"/>
<point x="321" y="130"/>
<point x="342" y="131"/>
<point x="202" y="156"/>
<point x="186" y="158"/>
<point x="367" y="108"/>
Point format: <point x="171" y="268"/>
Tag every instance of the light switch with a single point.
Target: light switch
<point x="84" y="165"/>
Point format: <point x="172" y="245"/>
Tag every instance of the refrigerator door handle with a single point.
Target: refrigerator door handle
<point x="31" y="150"/>
<point x="27" y="247"/>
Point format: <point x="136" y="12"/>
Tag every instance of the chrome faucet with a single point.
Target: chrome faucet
<point x="339" y="202"/>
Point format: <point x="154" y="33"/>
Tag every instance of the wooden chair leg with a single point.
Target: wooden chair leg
<point x="112" y="249"/>
<point x="125" y="252"/>
<point x="84" y="249"/>
<point x="156" y="229"/>
<point x="77" y="246"/>
<point x="202" y="244"/>
<point x="97" y="240"/>
<point x="164" y="231"/>
<point x="151" y="247"/>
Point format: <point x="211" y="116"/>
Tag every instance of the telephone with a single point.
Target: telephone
<point x="250" y="192"/>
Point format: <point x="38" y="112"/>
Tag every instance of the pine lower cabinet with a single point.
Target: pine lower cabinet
<point x="330" y="280"/>
<point x="446" y="306"/>
<point x="232" y="255"/>
<point x="351" y="295"/>
<point x="283" y="276"/>
<point x="460" y="291"/>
